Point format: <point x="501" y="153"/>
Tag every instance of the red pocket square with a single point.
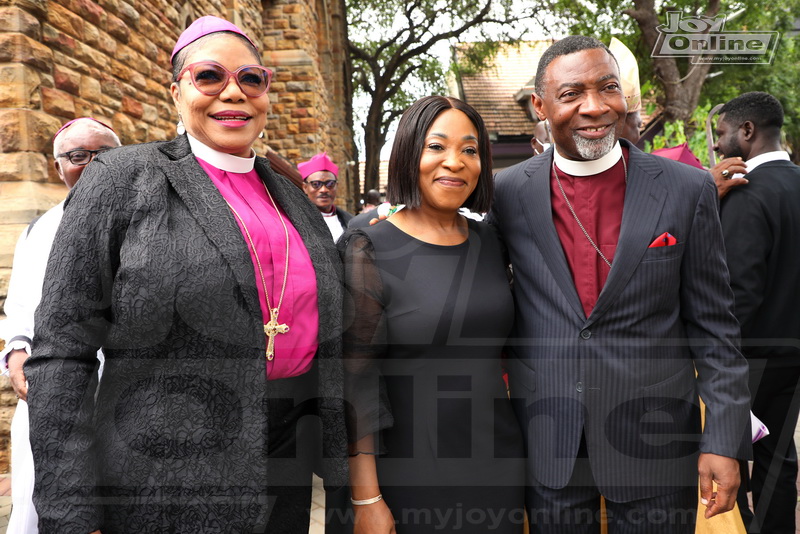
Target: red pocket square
<point x="664" y="240"/>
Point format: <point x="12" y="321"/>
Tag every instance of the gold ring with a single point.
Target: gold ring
<point x="726" y="172"/>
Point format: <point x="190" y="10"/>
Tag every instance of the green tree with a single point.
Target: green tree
<point x="675" y="133"/>
<point x="393" y="45"/>
<point x="780" y="79"/>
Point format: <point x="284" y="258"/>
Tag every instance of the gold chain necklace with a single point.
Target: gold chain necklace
<point x="271" y="328"/>
<point x="577" y="220"/>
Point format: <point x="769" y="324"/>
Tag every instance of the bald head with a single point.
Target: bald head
<point x="82" y="135"/>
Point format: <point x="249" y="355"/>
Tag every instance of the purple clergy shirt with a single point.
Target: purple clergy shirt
<point x="294" y="350"/>
<point x="597" y="200"/>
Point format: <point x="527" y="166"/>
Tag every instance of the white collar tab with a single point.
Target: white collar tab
<point x="590" y="167"/>
<point x="222" y="161"/>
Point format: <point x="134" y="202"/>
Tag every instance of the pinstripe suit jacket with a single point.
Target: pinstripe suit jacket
<point x="625" y="375"/>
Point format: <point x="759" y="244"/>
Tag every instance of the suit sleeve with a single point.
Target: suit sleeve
<point x="748" y="244"/>
<point x="72" y="322"/>
<point x="493" y="217"/>
<point x="713" y="333"/>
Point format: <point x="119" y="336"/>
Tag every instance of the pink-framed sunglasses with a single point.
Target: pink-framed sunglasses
<point x="210" y="78"/>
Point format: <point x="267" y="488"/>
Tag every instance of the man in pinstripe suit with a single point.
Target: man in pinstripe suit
<point x="621" y="293"/>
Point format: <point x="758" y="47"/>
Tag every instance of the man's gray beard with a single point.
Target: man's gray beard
<point x="591" y="149"/>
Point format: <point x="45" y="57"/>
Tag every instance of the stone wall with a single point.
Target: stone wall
<point x="109" y="59"/>
<point x="308" y="78"/>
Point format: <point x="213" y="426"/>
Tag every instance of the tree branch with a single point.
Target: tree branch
<point x="356" y="51"/>
<point x="409" y="28"/>
<point x="435" y="38"/>
<point x="362" y="81"/>
<point x="713" y="8"/>
<point x="389" y="117"/>
<point x="397" y="82"/>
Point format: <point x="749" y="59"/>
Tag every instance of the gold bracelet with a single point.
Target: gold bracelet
<point x="362" y="502"/>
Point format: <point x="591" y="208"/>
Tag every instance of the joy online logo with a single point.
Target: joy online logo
<point x="705" y="40"/>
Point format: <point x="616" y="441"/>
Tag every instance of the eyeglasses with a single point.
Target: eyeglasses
<point x="316" y="184"/>
<point x="211" y="78"/>
<point x="81" y="156"/>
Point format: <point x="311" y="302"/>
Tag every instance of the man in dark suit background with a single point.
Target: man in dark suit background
<point x="761" y="225"/>
<point x="621" y="294"/>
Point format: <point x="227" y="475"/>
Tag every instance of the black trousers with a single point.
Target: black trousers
<point x="775" y="400"/>
<point x="575" y="509"/>
<point x="338" y="512"/>
<point x="292" y="445"/>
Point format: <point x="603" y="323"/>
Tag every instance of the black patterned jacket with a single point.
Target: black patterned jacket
<point x="150" y="265"/>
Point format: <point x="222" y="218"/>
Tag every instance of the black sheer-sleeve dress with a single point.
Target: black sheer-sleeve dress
<point x="424" y="329"/>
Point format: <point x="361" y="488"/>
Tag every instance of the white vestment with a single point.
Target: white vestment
<point x="24" y="294"/>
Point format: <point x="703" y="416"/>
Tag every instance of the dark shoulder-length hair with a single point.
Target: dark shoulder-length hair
<point x="409" y="141"/>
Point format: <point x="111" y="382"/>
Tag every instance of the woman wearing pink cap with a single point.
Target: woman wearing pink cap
<point x="202" y="275"/>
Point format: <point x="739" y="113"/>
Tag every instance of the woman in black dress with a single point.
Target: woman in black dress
<point x="435" y="446"/>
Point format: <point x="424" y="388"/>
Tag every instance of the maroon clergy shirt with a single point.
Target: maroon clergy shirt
<point x="598" y="200"/>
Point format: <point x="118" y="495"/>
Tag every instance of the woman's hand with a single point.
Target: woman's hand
<point x="16" y="358"/>
<point x="385" y="211"/>
<point x="375" y="518"/>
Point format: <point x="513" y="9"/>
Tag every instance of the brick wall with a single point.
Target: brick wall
<point x="305" y="44"/>
<point x="109" y="59"/>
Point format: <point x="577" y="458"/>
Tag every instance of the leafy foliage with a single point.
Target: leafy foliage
<point x="692" y="132"/>
<point x="780" y="79"/>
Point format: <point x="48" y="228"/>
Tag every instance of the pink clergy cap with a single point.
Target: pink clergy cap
<point x="202" y="27"/>
<point x="320" y="162"/>
<point x="680" y="153"/>
<point x="70" y="123"/>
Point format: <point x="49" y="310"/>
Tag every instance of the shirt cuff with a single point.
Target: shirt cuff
<point x="15" y="343"/>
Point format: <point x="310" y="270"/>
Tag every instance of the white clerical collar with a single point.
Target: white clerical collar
<point x="766" y="157"/>
<point x="590" y="167"/>
<point x="221" y="160"/>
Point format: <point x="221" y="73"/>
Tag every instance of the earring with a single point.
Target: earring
<point x="180" y="128"/>
<point x="261" y="135"/>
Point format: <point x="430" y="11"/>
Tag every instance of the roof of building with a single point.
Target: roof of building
<point x="492" y="91"/>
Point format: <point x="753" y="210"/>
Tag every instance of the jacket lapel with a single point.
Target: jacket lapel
<point x="644" y="201"/>
<point x="535" y="204"/>
<point x="208" y="207"/>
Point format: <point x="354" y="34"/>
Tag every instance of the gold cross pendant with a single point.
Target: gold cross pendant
<point x="272" y="329"/>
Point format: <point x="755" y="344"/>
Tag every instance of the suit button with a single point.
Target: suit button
<point x="579" y="387"/>
<point x="586" y="334"/>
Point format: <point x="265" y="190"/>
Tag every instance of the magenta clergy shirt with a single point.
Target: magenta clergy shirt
<point x="295" y="349"/>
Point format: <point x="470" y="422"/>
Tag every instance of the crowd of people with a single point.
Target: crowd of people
<point x="207" y="335"/>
